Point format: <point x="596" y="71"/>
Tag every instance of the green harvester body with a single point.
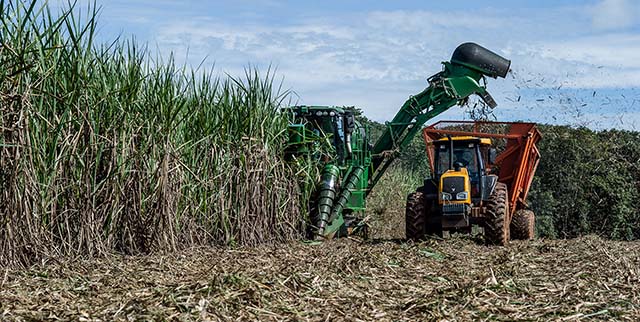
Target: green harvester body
<point x="353" y="165"/>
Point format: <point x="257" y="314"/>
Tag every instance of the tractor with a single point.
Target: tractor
<point x="470" y="184"/>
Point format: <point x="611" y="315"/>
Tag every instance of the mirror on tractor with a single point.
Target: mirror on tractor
<point x="493" y="153"/>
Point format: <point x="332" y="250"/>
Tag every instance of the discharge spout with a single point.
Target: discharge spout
<point x="480" y="59"/>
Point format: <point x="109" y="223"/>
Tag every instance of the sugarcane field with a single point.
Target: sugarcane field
<point x="275" y="160"/>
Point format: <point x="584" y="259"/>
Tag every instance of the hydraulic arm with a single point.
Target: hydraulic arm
<point x="460" y="78"/>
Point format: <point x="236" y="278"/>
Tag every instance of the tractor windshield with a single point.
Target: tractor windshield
<point x="464" y="155"/>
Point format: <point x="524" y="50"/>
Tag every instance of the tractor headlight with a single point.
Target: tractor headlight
<point x="462" y="195"/>
<point x="446" y="196"/>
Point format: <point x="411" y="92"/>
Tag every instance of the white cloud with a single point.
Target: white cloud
<point x="614" y="14"/>
<point x="615" y="50"/>
<point x="376" y="60"/>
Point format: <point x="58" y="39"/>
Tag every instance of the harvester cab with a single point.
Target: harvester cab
<point x="327" y="129"/>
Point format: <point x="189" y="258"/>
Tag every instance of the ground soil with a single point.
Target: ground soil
<point x="455" y="279"/>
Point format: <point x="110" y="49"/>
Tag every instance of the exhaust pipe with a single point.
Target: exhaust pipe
<point x="450" y="152"/>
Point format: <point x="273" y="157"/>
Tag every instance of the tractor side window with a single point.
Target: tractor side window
<point x="443" y="160"/>
<point x="473" y="165"/>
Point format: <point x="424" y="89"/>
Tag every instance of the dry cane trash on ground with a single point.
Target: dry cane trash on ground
<point x="456" y="279"/>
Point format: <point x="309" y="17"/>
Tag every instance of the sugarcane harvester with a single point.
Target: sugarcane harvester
<point x="353" y="166"/>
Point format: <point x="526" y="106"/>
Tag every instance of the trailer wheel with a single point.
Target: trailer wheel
<point x="523" y="225"/>
<point x="415" y="216"/>
<point x="496" y="229"/>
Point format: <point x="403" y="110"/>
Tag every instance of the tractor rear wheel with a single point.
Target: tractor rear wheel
<point x="415" y="216"/>
<point x="523" y="225"/>
<point x="496" y="228"/>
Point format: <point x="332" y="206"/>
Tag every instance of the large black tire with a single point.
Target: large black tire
<point x="415" y="216"/>
<point x="432" y="227"/>
<point x="523" y="225"/>
<point x="496" y="228"/>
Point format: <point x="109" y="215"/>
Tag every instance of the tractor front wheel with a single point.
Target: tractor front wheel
<point x="523" y="225"/>
<point x="415" y="216"/>
<point x="496" y="228"/>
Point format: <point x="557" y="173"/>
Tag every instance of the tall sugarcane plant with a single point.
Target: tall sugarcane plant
<point x="103" y="148"/>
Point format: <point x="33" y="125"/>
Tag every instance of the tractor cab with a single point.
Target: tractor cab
<point x="461" y="159"/>
<point x="460" y="179"/>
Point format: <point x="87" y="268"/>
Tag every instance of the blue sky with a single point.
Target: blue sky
<point x="573" y="62"/>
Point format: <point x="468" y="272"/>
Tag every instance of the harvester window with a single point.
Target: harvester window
<point x="331" y="129"/>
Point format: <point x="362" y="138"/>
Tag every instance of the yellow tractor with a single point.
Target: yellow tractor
<point x="471" y="185"/>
